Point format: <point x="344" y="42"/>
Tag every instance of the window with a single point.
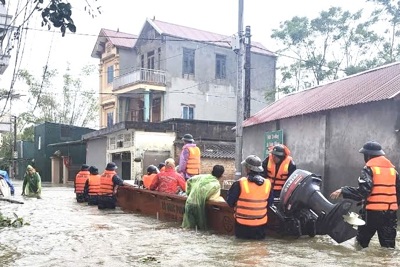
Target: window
<point x="110" y="74"/>
<point x="65" y="131"/>
<point x="142" y="61"/>
<point x="220" y="66"/>
<point x="187" y="112"/>
<point x="110" y="119"/>
<point x="188" y="61"/>
<point x="159" y="59"/>
<point x="150" y="60"/>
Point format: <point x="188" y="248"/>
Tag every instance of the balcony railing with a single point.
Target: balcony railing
<point x="148" y="76"/>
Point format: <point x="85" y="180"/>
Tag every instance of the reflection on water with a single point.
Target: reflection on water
<point x="65" y="233"/>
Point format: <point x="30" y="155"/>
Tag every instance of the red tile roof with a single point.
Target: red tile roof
<point x="373" y="85"/>
<point x="200" y="35"/>
<point x="119" y="39"/>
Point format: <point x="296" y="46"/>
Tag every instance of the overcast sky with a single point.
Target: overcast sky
<point x="220" y="16"/>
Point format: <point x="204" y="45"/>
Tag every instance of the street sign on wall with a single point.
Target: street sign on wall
<point x="271" y="139"/>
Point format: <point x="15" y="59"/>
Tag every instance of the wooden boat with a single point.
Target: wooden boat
<point x="169" y="207"/>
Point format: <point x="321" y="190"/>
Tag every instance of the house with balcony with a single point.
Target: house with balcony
<point x="164" y="82"/>
<point x="5" y="32"/>
<point x="174" y="71"/>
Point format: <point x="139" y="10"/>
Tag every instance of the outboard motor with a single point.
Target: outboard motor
<point x="305" y="211"/>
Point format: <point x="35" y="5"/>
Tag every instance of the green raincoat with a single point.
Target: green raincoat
<point x="32" y="186"/>
<point x="199" y="189"/>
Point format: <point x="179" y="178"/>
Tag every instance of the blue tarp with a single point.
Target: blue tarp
<point x="7" y="178"/>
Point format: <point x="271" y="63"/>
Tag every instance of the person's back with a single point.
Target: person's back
<point x="199" y="189"/>
<point x="149" y="177"/>
<point x="93" y="186"/>
<point x="190" y="158"/>
<point x="168" y="181"/>
<point x="80" y="181"/>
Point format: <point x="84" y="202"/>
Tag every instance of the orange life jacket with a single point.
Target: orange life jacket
<point x="106" y="183"/>
<point x="193" y="163"/>
<point x="281" y="176"/>
<point x="80" y="180"/>
<point x="251" y="207"/>
<point x="94" y="185"/>
<point x="148" y="179"/>
<point x="383" y="194"/>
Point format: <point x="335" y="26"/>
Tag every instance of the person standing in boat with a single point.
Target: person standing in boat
<point x="169" y="181"/>
<point x="278" y="166"/>
<point x="109" y="182"/>
<point x="80" y="180"/>
<point x="379" y="192"/>
<point x="189" y="160"/>
<point x="199" y="189"/>
<point x="92" y="186"/>
<point x="32" y="185"/>
<point x="149" y="177"/>
<point x="249" y="198"/>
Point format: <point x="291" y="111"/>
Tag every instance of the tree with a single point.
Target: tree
<point x="70" y="105"/>
<point x="58" y="13"/>
<point x="323" y="48"/>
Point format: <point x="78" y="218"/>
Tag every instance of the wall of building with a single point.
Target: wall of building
<point x="96" y="153"/>
<point x="327" y="143"/>
<point x="126" y="62"/>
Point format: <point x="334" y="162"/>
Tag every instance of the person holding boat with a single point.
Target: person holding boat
<point x="80" y="181"/>
<point x="109" y="183"/>
<point x="249" y="198"/>
<point x="189" y="160"/>
<point x="92" y="186"/>
<point x="169" y="181"/>
<point x="149" y="177"/>
<point x="278" y="166"/>
<point x="32" y="185"/>
<point x="199" y="189"/>
<point x="379" y="193"/>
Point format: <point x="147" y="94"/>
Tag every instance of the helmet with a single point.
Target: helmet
<point x="152" y="169"/>
<point x="372" y="148"/>
<point x="84" y="167"/>
<point x="253" y="163"/>
<point x="188" y="138"/>
<point x="111" y="166"/>
<point x="278" y="150"/>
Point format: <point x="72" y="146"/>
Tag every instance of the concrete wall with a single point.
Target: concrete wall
<point x="126" y="62"/>
<point x="327" y="143"/>
<point x="96" y="153"/>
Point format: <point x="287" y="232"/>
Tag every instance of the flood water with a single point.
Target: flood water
<point x="65" y="233"/>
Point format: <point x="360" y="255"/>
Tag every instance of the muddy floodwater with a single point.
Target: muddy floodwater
<point x="62" y="232"/>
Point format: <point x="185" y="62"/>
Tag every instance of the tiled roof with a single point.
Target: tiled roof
<point x="200" y="35"/>
<point x="381" y="83"/>
<point x="117" y="38"/>
<point x="120" y="39"/>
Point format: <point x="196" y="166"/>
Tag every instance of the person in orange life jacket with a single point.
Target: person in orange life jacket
<point x="109" y="182"/>
<point x="379" y="192"/>
<point x="189" y="160"/>
<point x="149" y="177"/>
<point x="80" y="180"/>
<point x="169" y="181"/>
<point x="278" y="166"/>
<point x="92" y="186"/>
<point x="249" y="198"/>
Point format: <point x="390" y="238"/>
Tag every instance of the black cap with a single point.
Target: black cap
<point x="188" y="138"/>
<point x="372" y="148"/>
<point x="278" y="150"/>
<point x="111" y="166"/>
<point x="84" y="167"/>
<point x="152" y="169"/>
<point x="93" y="170"/>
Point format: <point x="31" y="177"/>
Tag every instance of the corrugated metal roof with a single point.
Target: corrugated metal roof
<point x="200" y="35"/>
<point x="120" y="39"/>
<point x="373" y="85"/>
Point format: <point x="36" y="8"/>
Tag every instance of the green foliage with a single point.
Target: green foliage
<point x="70" y="104"/>
<point x="11" y="222"/>
<point x="58" y="13"/>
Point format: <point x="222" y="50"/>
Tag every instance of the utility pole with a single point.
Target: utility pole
<point x="15" y="154"/>
<point x="239" y="97"/>
<point x="247" y="73"/>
